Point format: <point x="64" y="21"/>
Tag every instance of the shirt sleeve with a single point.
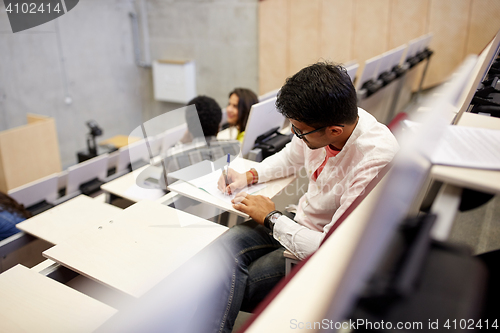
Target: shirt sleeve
<point x="296" y="238"/>
<point x="302" y="241"/>
<point x="284" y="163"/>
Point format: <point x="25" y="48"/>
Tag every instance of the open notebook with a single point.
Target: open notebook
<point x="206" y="174"/>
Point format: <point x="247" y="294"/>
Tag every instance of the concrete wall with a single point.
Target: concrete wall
<point x="220" y="35"/>
<point x="87" y="55"/>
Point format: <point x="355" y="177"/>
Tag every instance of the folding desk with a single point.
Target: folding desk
<point x="379" y="103"/>
<point x="126" y="187"/>
<point x="68" y="219"/>
<point x="456" y="178"/>
<point x="137" y="248"/>
<point x="477" y="179"/>
<point x="31" y="302"/>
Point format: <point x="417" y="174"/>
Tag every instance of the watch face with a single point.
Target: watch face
<point x="275" y="217"/>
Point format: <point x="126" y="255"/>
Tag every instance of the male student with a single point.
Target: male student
<point x="342" y="148"/>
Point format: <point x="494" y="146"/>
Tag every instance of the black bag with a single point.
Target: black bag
<point x="272" y="142"/>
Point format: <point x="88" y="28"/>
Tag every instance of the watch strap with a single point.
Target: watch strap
<point x="267" y="220"/>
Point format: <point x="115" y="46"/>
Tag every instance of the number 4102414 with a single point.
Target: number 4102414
<point x="470" y="324"/>
<point x="32" y="8"/>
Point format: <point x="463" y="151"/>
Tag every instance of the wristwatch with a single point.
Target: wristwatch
<point x="271" y="219"/>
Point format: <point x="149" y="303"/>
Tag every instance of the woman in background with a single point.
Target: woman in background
<point x="11" y="213"/>
<point x="238" y="109"/>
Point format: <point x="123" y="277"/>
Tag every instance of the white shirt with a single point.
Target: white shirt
<point x="369" y="148"/>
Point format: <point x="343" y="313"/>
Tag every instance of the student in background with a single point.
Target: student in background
<point x="11" y="213"/>
<point x="204" y="144"/>
<point x="238" y="109"/>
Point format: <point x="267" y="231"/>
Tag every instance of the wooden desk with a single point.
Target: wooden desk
<point x="126" y="187"/>
<point x="119" y="141"/>
<point x="477" y="120"/>
<point x="138" y="248"/>
<point x="31" y="302"/>
<point x="476" y="179"/>
<point x="273" y="187"/>
<point x="68" y="219"/>
<point x="446" y="204"/>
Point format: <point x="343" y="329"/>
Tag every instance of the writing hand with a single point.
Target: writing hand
<point x="236" y="181"/>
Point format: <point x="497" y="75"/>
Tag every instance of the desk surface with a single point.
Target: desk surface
<point x="273" y="187"/>
<point x="476" y="179"/>
<point x="119" y="141"/>
<point x="126" y="187"/>
<point x="31" y="302"/>
<point x="68" y="219"/>
<point x="477" y="120"/>
<point x="140" y="247"/>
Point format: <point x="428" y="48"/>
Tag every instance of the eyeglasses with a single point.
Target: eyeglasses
<point x="300" y="135"/>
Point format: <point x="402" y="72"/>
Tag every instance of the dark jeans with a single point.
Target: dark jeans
<point x="258" y="266"/>
<point x="8" y="223"/>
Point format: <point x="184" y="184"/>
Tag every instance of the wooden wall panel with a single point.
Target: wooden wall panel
<point x="28" y="153"/>
<point x="484" y="24"/>
<point x="273" y="44"/>
<point x="344" y="30"/>
<point x="448" y="20"/>
<point x="304" y="34"/>
<point x="408" y="21"/>
<point x="371" y="27"/>
<point x="337" y="22"/>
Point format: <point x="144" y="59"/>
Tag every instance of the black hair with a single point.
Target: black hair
<point x="8" y="203"/>
<point x="209" y="114"/>
<point x="319" y="95"/>
<point x="247" y="98"/>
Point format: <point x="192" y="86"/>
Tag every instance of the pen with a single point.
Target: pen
<point x="227" y="169"/>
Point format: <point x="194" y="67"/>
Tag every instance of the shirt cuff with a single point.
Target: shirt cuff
<point x="286" y="230"/>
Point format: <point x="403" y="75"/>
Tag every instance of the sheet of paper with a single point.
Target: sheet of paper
<point x="469" y="147"/>
<point x="209" y="184"/>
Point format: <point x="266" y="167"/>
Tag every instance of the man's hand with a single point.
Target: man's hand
<point x="236" y="181"/>
<point x="257" y="206"/>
